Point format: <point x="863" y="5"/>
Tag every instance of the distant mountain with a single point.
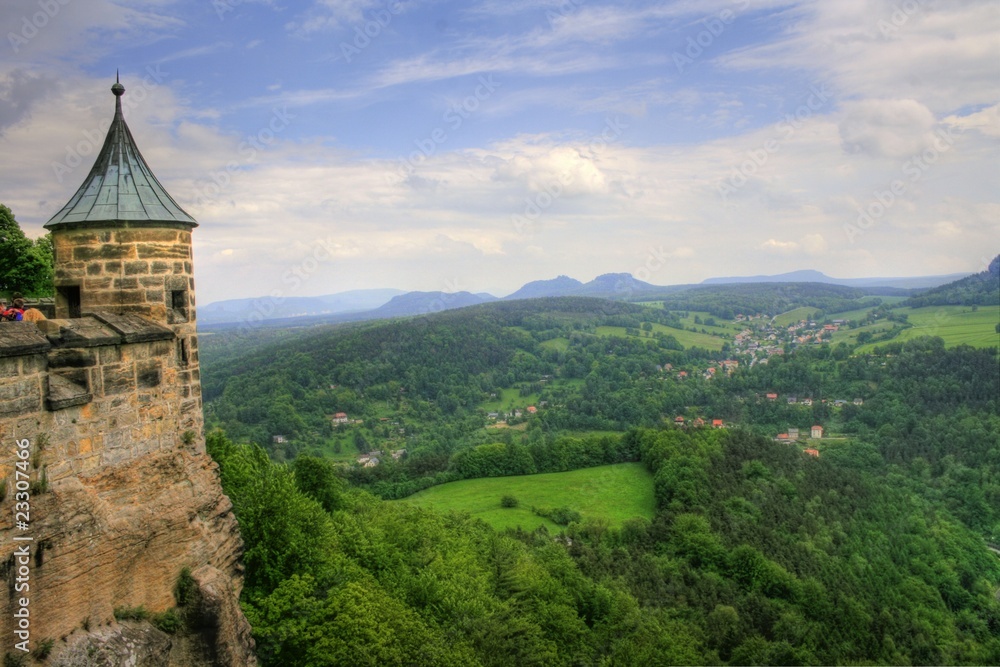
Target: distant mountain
<point x="609" y="285"/>
<point x="424" y="303"/>
<point x="615" y="284"/>
<point x="979" y="289"/>
<point x="810" y="276"/>
<point x="560" y="286"/>
<point x="243" y="310"/>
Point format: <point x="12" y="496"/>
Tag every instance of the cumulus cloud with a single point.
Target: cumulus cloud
<point x="886" y="128"/>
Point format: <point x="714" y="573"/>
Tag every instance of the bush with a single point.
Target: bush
<point x="562" y="516"/>
<point x="43" y="648"/>
<point x="509" y="501"/>
<point x="131" y="613"/>
<point x="169" y="621"/>
<point x="185" y="587"/>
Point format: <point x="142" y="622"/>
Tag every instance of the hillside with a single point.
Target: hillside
<point x="867" y="547"/>
<point x="979" y="289"/>
<point x="812" y="276"/>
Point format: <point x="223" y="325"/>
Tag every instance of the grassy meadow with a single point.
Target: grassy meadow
<point x="613" y="493"/>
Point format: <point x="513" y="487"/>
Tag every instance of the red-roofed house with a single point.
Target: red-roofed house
<point x="532" y="409"/>
<point x="816" y="432"/>
<point x="812" y="452"/>
<point x="340" y="418"/>
<point x="717" y="423"/>
<point x="772" y="397"/>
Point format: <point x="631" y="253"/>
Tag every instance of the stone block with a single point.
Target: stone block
<point x="147" y="375"/>
<point x="159" y="267"/>
<point x="103" y="252"/>
<point x="84" y="332"/>
<point x="126" y="284"/>
<point x="117" y="379"/>
<point x="133" y="328"/>
<point x="10" y="367"/>
<point x="20" y="338"/>
<point x="136" y="268"/>
<point x="18" y="398"/>
<point x="162" y="251"/>
<point x="65" y="393"/>
<point x="72" y="357"/>
<point x="148" y="236"/>
<point x="95" y="269"/>
<point x="97" y="283"/>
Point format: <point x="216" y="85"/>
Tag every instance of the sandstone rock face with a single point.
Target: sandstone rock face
<point x="120" y="539"/>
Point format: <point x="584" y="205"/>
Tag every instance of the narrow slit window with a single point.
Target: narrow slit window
<point x="178" y="302"/>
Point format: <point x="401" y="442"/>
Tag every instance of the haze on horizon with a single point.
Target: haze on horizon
<point x="332" y="145"/>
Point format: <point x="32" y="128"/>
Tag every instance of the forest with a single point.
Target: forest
<point x="875" y="549"/>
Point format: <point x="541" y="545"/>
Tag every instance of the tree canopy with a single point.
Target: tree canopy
<point x="27" y="265"/>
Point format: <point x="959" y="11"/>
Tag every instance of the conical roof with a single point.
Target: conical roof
<point x="120" y="187"/>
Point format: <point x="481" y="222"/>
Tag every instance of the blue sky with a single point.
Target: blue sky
<point x="330" y="145"/>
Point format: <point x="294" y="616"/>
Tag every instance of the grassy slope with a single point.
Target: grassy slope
<point x="615" y="493"/>
<point x="956" y="325"/>
<point x="793" y="316"/>
<point x="685" y="338"/>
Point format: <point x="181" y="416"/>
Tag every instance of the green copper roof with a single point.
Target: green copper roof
<point x="120" y="186"/>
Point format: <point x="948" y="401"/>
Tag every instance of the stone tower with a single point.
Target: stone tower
<point x="102" y="439"/>
<point x="123" y="245"/>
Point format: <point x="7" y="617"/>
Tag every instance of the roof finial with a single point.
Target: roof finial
<point x="118" y="89"/>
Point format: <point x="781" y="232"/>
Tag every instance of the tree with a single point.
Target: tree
<point x="27" y="266"/>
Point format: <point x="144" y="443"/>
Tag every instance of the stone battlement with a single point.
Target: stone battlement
<point x="102" y="389"/>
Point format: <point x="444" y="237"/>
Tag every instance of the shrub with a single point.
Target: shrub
<point x="185" y="587"/>
<point x="43" y="649"/>
<point x="509" y="501"/>
<point x="131" y="613"/>
<point x="169" y="621"/>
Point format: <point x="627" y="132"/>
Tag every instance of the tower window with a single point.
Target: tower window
<point x="178" y="302"/>
<point x="68" y="300"/>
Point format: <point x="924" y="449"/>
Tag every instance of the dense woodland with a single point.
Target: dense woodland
<point x="876" y="552"/>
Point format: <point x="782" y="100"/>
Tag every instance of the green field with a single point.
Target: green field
<point x="685" y="338"/>
<point x="509" y="399"/>
<point x="558" y="344"/>
<point x="793" y="316"/>
<point x="956" y="325"/>
<point x="614" y="493"/>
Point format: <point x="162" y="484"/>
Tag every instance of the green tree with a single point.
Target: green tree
<point x="27" y="266"/>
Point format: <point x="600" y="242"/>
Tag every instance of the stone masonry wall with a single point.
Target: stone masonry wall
<point x="123" y="495"/>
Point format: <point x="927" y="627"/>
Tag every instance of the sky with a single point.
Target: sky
<point x="333" y="145"/>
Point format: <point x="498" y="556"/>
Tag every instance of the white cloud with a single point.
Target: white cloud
<point x="886" y="128"/>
